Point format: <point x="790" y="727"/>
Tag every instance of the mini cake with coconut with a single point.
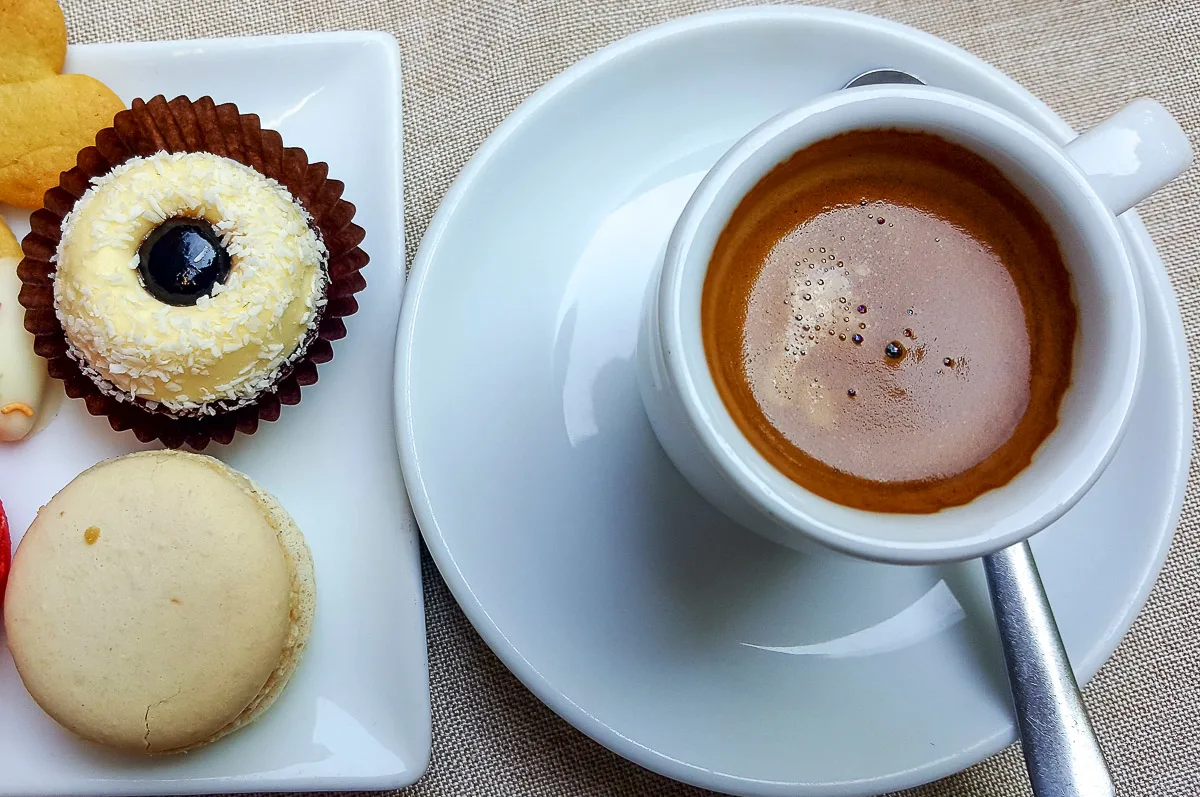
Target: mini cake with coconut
<point x="188" y="275"/>
<point x="188" y="282"/>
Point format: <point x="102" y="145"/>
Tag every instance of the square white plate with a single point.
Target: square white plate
<point x="356" y="715"/>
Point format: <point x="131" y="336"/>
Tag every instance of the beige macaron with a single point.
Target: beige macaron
<point x="160" y="601"/>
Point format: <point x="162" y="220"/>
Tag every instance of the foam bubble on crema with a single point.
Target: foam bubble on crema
<point x="811" y="320"/>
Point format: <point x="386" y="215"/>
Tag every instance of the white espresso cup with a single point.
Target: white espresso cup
<point x="1079" y="189"/>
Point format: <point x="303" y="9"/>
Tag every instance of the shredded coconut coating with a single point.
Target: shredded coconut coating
<point x="227" y="349"/>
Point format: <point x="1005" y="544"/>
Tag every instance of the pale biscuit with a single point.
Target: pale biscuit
<point x="33" y="40"/>
<point x="43" y="125"/>
<point x="9" y="246"/>
<point x="159" y="602"/>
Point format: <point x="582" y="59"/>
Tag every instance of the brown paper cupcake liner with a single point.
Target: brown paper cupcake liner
<point x="182" y="125"/>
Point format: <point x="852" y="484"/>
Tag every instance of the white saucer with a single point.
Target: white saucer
<point x="356" y="713"/>
<point x="627" y="604"/>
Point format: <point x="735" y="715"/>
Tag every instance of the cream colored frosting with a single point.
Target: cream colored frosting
<point x="22" y="373"/>
<point x="226" y="349"/>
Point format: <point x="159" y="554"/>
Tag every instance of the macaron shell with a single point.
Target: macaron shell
<point x="157" y="634"/>
<point x="303" y="601"/>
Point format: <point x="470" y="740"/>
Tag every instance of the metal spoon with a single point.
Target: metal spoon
<point x="1062" y="754"/>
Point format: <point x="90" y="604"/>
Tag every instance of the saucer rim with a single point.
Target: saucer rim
<point x="1142" y="251"/>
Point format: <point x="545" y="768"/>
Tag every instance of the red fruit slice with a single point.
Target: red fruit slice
<point x="4" y="553"/>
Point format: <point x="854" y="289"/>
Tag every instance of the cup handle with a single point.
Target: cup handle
<point x="1132" y="154"/>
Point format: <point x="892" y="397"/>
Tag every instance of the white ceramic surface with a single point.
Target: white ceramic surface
<point x="697" y="431"/>
<point x="624" y="601"/>
<point x="356" y="714"/>
<point x="1132" y="153"/>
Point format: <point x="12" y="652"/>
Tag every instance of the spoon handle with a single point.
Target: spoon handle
<point x="1061" y="751"/>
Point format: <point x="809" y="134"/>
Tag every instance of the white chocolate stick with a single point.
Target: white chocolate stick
<point x="22" y="373"/>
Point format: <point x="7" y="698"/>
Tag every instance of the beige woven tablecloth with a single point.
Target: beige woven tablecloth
<point x="468" y="63"/>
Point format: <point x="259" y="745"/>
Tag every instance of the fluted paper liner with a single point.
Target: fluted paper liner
<point x="182" y="125"/>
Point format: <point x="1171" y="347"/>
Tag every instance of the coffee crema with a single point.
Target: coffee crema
<point x="889" y="321"/>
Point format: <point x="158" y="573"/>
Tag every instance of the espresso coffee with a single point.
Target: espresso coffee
<point x="889" y="321"/>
